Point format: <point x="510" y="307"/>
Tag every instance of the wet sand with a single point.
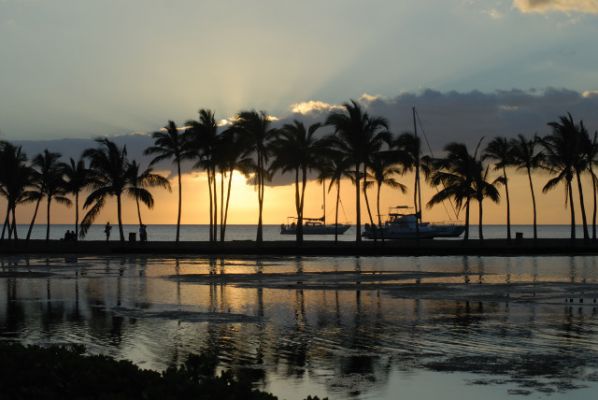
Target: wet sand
<point x="489" y="247"/>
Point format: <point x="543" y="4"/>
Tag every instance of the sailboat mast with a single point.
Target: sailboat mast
<point x="418" y="202"/>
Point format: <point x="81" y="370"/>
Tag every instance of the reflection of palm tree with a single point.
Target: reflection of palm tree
<point x="297" y="149"/>
<point x="526" y="157"/>
<point x="500" y="151"/>
<point x="254" y="132"/>
<point x="563" y="159"/>
<point x="357" y="136"/>
<point x="139" y="182"/>
<point x="110" y="176"/>
<point x="78" y="176"/>
<point x="168" y="145"/>
<point x="51" y="175"/>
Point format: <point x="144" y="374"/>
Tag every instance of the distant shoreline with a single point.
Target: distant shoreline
<point x="488" y="247"/>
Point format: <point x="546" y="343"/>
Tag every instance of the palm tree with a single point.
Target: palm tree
<point x="407" y="151"/>
<point x="51" y="176"/>
<point x="591" y="154"/>
<point x="202" y="145"/>
<point x="15" y="178"/>
<point x="297" y="149"/>
<point x="384" y="169"/>
<point x="335" y="167"/>
<point x="78" y="177"/>
<point x="563" y="149"/>
<point x="169" y="145"/>
<point x="230" y="159"/>
<point x="456" y="173"/>
<point x="501" y="152"/>
<point x="37" y="195"/>
<point x="357" y="136"/>
<point x="526" y="157"/>
<point x="138" y="185"/>
<point x="255" y="133"/>
<point x="111" y="174"/>
<point x="483" y="189"/>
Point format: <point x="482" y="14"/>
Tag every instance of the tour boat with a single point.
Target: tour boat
<point x="313" y="226"/>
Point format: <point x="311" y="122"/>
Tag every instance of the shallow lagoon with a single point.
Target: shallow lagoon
<point x="367" y="328"/>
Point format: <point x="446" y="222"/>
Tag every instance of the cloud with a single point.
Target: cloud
<point x="543" y="6"/>
<point x="443" y="117"/>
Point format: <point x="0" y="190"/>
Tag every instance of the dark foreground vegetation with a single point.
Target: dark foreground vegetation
<point x="65" y="373"/>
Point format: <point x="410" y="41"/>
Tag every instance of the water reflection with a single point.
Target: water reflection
<point x="348" y="337"/>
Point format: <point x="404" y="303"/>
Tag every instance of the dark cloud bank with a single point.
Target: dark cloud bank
<point x="445" y="117"/>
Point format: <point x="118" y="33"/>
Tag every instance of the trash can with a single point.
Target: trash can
<point x="132" y="236"/>
<point x="519" y="235"/>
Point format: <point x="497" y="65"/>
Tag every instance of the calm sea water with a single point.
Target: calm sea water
<point x="363" y="328"/>
<point x="272" y="232"/>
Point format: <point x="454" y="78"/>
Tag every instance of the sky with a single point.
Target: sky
<point x="122" y="68"/>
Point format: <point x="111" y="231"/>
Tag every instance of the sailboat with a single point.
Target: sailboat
<point x="314" y="226"/>
<point x="409" y="224"/>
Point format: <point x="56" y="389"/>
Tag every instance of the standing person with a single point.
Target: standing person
<point x="107" y="230"/>
<point x="143" y="233"/>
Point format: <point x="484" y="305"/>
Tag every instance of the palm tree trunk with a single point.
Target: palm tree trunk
<point x="302" y="200"/>
<point x="230" y="181"/>
<point x="586" y="235"/>
<point x="138" y="211"/>
<point x="338" y="200"/>
<point x="357" y="205"/>
<point x="481" y="219"/>
<point x="178" y="220"/>
<point x="222" y="179"/>
<point x="5" y="222"/>
<point x="260" y="178"/>
<point x="378" y="206"/>
<point x="14" y="222"/>
<point x="76" y="214"/>
<point x="120" y="219"/>
<point x="33" y="218"/>
<point x="48" y="218"/>
<point x="504" y="171"/>
<point x="211" y="235"/>
<point x="215" y="193"/>
<point x="531" y="187"/>
<point x="297" y="207"/>
<point x="572" y="208"/>
<point x="595" y="205"/>
<point x="367" y="203"/>
<point x="466" y="237"/>
<point x="415" y="204"/>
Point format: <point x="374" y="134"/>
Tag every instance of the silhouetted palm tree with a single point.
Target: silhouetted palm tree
<point x="526" y="157"/>
<point x="335" y="166"/>
<point x="51" y="176"/>
<point x="77" y="177"/>
<point x="456" y="173"/>
<point x="231" y="159"/>
<point x="297" y="149"/>
<point x="357" y="136"/>
<point x="202" y="146"/>
<point x="591" y="154"/>
<point x="139" y="182"/>
<point x="563" y="154"/>
<point x="407" y="152"/>
<point x="255" y="133"/>
<point x="384" y="169"/>
<point x="110" y="176"/>
<point x="483" y="189"/>
<point x="500" y="151"/>
<point x="169" y="145"/>
<point x="15" y="177"/>
<point x="37" y="194"/>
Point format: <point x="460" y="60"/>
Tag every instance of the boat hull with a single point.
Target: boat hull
<point x="315" y="230"/>
<point x="427" y="232"/>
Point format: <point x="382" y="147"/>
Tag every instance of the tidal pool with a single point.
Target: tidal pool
<point x="364" y="328"/>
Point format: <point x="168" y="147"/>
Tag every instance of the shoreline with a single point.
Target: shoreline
<point x="487" y="247"/>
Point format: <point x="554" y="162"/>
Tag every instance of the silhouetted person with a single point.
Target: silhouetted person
<point x="107" y="230"/>
<point x="143" y="233"/>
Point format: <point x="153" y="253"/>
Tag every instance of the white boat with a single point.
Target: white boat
<point x="313" y="226"/>
<point x="406" y="226"/>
